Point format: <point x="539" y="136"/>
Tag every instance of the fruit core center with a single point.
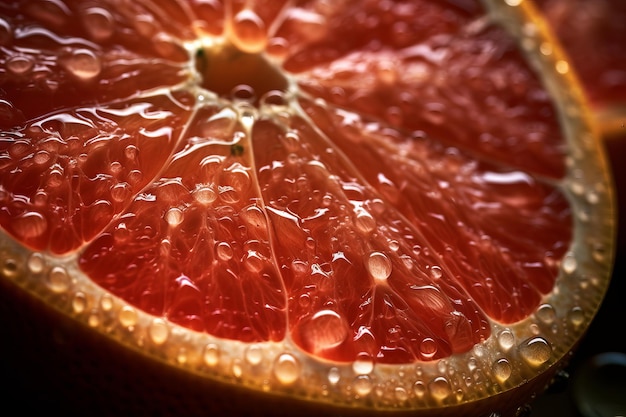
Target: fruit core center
<point x="234" y="74"/>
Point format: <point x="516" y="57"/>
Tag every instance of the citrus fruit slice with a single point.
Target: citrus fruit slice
<point x="354" y="205"/>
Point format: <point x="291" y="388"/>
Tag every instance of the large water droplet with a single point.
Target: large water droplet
<point x="440" y="388"/>
<point x="502" y="370"/>
<point x="29" y="225"/>
<point x="536" y="351"/>
<point x="286" y="369"/>
<point x="325" y="330"/>
<point x="83" y="64"/>
<point x="428" y="348"/>
<point x="174" y="216"/>
<point x="379" y="266"/>
<point x="224" y="251"/>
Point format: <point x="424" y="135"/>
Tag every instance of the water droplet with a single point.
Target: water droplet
<point x="536" y="351"/>
<point x="93" y="320"/>
<point x="546" y="313"/>
<point x="439" y="388"/>
<point x="99" y="23"/>
<point x="401" y="394"/>
<point x="224" y="251"/>
<point x="576" y="316"/>
<point x="120" y="192"/>
<point x="254" y="218"/>
<point x="83" y="64"/>
<point x="502" y="369"/>
<point x="211" y="355"/>
<point x="379" y="266"/>
<point x="236" y="368"/>
<point x="428" y="348"/>
<point x="79" y="302"/>
<point x="159" y="331"/>
<point x="362" y="385"/>
<point x="334" y="376"/>
<point x="569" y="264"/>
<point x="506" y="339"/>
<point x="20" y="64"/>
<point x="36" y="263"/>
<point x="254" y="355"/>
<point x="562" y="66"/>
<point x="419" y="388"/>
<point x="204" y="194"/>
<point x="249" y="34"/>
<point x="253" y="261"/>
<point x="128" y="316"/>
<point x="182" y="357"/>
<point x="363" y="364"/>
<point x="58" y="279"/>
<point x="436" y="272"/>
<point x="29" y="225"/>
<point x="106" y="302"/>
<point x="325" y="330"/>
<point x="513" y="3"/>
<point x="365" y="222"/>
<point x="286" y="369"/>
<point x="174" y="216"/>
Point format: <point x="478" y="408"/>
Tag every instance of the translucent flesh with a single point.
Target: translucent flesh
<point x="398" y="218"/>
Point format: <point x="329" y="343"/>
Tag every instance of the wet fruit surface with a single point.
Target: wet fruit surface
<point x="282" y="193"/>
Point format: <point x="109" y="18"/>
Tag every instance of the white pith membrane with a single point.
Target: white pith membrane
<point x="512" y="355"/>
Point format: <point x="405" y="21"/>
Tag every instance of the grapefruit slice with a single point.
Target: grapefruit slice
<point x="356" y="206"/>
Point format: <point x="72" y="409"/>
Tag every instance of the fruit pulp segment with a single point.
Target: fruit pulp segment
<point x="396" y="195"/>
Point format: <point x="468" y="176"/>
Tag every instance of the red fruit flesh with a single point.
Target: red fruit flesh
<point x="395" y="220"/>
